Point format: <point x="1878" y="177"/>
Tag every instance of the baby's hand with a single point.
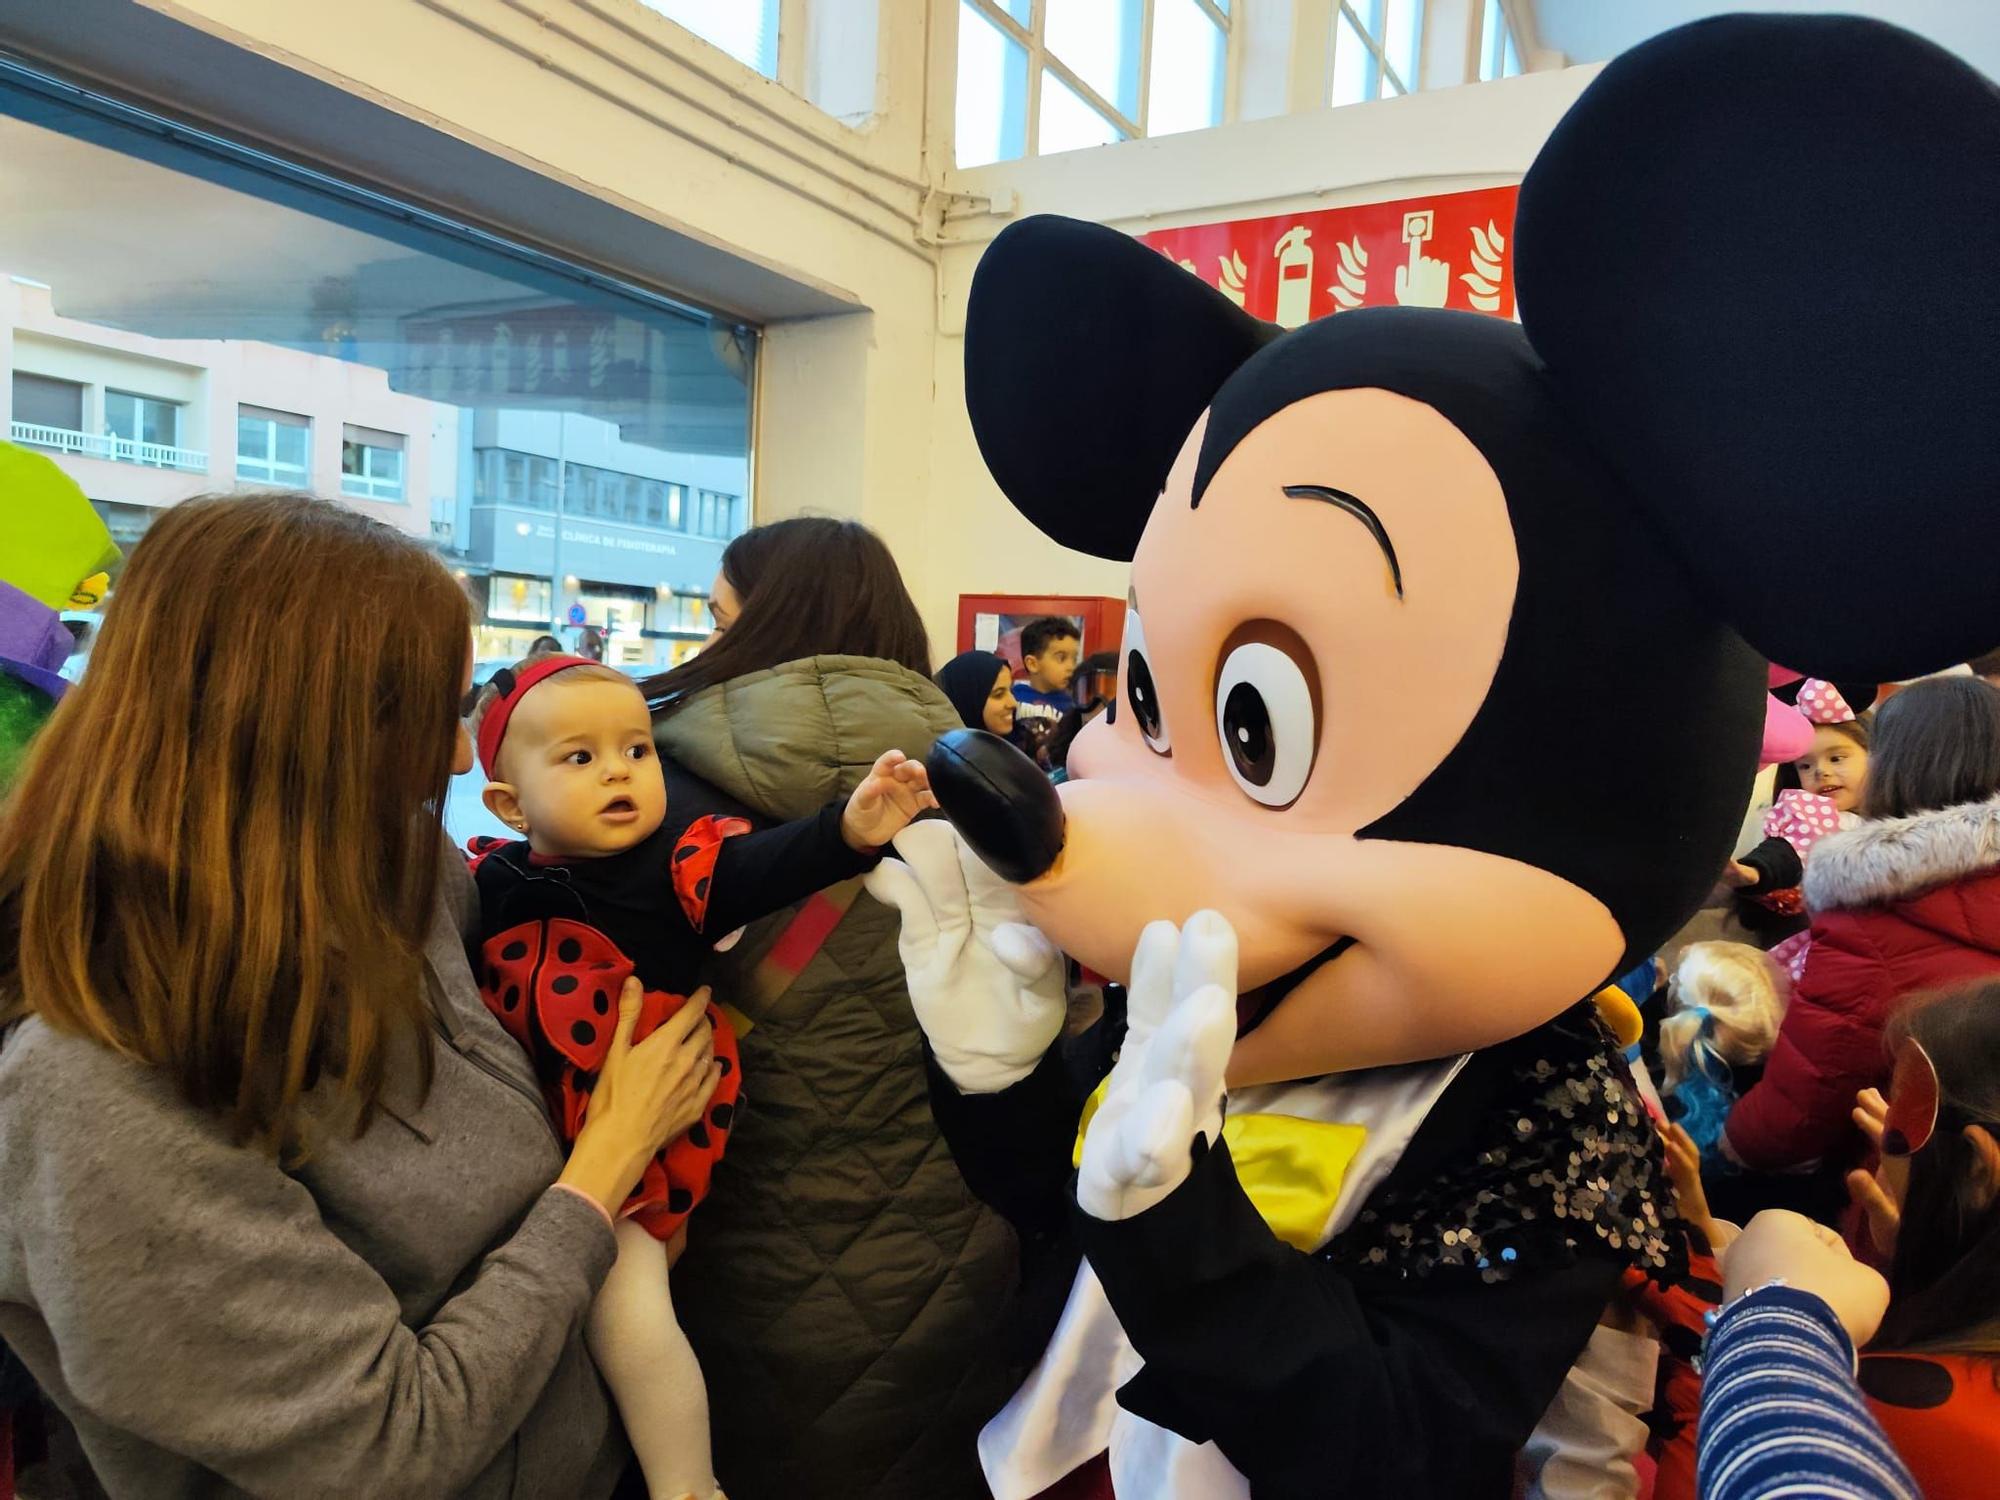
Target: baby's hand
<point x="895" y="791"/>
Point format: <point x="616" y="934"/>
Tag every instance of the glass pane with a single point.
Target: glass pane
<point x="46" y="402"/>
<point x="1185" y="90"/>
<point x="746" y="29"/>
<point x="992" y="113"/>
<point x="1490" y="44"/>
<point x="1022" y="11"/>
<point x="1098" y="40"/>
<point x="1068" y="124"/>
<point x="1402" y="38"/>
<point x="121" y="415"/>
<point x="1510" y="66"/>
<point x="158" y="424"/>
<point x="454" y="379"/>
<point x="1354" y="66"/>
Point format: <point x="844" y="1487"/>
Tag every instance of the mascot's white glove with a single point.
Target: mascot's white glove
<point x="1167" y="1085"/>
<point x="987" y="987"/>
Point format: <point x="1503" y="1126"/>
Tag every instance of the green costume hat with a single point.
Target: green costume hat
<point x="54" y="550"/>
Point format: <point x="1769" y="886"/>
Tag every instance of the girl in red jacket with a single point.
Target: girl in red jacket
<point x="1908" y="901"/>
<point x="1932" y="1374"/>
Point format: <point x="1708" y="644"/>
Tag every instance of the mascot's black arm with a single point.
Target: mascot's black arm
<point x="1014" y="1148"/>
<point x="1314" y="1380"/>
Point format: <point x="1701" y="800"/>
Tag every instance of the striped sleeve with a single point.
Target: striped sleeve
<point x="1781" y="1413"/>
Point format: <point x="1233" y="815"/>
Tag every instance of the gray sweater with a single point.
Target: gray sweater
<point x="400" y="1316"/>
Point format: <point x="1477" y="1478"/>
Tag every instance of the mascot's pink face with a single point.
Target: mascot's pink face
<point x="1318" y="634"/>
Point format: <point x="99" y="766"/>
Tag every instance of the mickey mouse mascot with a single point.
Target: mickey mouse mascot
<point x="1359" y="837"/>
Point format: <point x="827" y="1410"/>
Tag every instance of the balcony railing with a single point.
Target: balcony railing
<point x="118" y="449"/>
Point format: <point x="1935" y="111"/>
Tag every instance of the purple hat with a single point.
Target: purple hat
<point x="34" y="642"/>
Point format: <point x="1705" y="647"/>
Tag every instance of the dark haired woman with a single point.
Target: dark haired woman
<point x="981" y="687"/>
<point x="1933" y="1372"/>
<point x="1908" y="901"/>
<point x="842" y="1285"/>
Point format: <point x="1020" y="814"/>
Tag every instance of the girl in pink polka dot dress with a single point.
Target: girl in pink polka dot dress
<point x="1824" y="797"/>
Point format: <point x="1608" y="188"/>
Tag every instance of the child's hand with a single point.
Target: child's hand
<point x="1739" y="876"/>
<point x="1878" y="1194"/>
<point x="1684" y="1164"/>
<point x="895" y="791"/>
<point x="1780" y="1246"/>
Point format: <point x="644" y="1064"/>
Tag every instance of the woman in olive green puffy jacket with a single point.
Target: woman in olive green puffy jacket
<point x="841" y="1286"/>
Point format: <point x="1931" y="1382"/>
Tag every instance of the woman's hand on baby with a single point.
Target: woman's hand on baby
<point x="888" y="800"/>
<point x="646" y="1095"/>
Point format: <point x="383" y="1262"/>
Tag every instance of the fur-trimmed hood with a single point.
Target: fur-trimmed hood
<point x="1893" y="859"/>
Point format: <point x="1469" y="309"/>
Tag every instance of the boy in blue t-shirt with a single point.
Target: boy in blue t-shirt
<point x="1049" y="649"/>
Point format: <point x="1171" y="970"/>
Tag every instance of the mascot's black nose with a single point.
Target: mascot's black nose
<point x="1000" y="802"/>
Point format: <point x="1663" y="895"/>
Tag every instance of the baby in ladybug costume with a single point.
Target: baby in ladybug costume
<point x="628" y="866"/>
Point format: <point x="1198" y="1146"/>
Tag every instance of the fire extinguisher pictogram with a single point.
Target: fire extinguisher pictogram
<point x="1295" y="271"/>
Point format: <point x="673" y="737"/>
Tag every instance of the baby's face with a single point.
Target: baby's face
<point x="580" y="758"/>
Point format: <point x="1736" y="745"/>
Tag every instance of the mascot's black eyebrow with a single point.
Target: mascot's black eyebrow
<point x="1360" y="510"/>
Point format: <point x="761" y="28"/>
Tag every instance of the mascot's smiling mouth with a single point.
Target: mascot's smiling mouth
<point x="1254" y="1006"/>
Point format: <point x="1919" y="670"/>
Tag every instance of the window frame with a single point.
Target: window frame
<point x="1499" y="49"/>
<point x="786" y="16"/>
<point x="1133" y="127"/>
<point x="367" y="485"/>
<point x="268" y="419"/>
<point x="80" y="388"/>
<point x="140" y="401"/>
<point x="1382" y="72"/>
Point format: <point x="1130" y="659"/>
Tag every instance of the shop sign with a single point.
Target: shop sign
<point x="1447" y="250"/>
<point x="616" y="541"/>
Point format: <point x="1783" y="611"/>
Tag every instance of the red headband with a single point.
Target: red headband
<point x="513" y="686"/>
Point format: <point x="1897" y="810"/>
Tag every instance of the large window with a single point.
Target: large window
<point x="148" y="429"/>
<point x="453" y="367"/>
<point x="1498" y="56"/>
<point x="371" y="464"/>
<point x="714" y="515"/>
<point x="746" y="29"/>
<point x="273" y="447"/>
<point x="1040" y="76"/>
<point x="55" y="407"/>
<point x="1378" y="49"/>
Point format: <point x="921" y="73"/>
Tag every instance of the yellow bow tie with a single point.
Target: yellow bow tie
<point x="1290" y="1168"/>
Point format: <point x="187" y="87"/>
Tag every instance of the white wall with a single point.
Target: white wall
<point x="1482" y="135"/>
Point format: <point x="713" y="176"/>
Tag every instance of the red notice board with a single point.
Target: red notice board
<point x="992" y="622"/>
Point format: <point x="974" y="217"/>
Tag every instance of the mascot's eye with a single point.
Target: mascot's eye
<point x="1264" y="713"/>
<point x="1140" y="691"/>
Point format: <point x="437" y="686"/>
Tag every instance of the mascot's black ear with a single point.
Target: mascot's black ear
<point x="1761" y="258"/>
<point x="1088" y="360"/>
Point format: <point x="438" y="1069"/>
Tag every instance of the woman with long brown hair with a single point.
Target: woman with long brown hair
<point x="281" y="1211"/>
<point x="844" y="1288"/>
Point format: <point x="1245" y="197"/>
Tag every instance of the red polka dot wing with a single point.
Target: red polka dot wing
<point x="695" y="853"/>
<point x="576" y="994"/>
<point x="507" y="972"/>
